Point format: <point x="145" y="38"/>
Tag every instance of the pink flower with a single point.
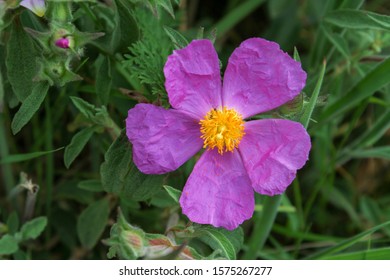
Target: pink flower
<point x="240" y="156"/>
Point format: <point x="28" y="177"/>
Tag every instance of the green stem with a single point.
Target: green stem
<point x="6" y="169"/>
<point x="263" y="225"/>
<point x="49" y="158"/>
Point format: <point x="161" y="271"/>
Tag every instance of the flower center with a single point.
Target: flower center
<point x="223" y="129"/>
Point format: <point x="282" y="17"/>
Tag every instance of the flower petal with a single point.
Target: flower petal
<point x="218" y="191"/>
<point x="272" y="150"/>
<point x="38" y="7"/>
<point x="162" y="139"/>
<point x="260" y="77"/>
<point x="193" y="79"/>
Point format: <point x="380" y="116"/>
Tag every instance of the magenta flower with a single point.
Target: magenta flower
<point x="240" y="156"/>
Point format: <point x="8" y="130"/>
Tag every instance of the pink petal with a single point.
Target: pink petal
<point x="193" y="79"/>
<point x="260" y="77"/>
<point x="162" y="139"/>
<point x="272" y="150"/>
<point x="218" y="191"/>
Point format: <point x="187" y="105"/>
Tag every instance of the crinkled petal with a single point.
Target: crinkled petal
<point x="260" y="77"/>
<point x="162" y="139"/>
<point x="218" y="191"/>
<point x="192" y="78"/>
<point x="38" y="7"/>
<point x="272" y="150"/>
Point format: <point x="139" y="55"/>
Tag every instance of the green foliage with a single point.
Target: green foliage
<point x="29" y="106"/>
<point x="336" y="208"/>
<point x="121" y="176"/>
<point x="9" y="243"/>
<point x="32" y="229"/>
<point x="91" y="223"/>
<point x="21" y="64"/>
<point x="103" y="79"/>
<point x="77" y="144"/>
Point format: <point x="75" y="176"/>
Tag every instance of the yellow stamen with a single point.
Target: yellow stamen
<point x="223" y="129"/>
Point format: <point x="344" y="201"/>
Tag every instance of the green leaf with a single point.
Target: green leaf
<point x="126" y="30"/>
<point x="376" y="79"/>
<point x="357" y="19"/>
<point x="176" y="37"/>
<point x="326" y="253"/>
<point x="13" y="222"/>
<point x="91" y="185"/>
<point x="121" y="176"/>
<point x="378" y="152"/>
<point x="313" y="99"/>
<point x="77" y="144"/>
<point x="91" y="223"/>
<point x="25" y="157"/>
<point x="296" y="55"/>
<point x="32" y="229"/>
<point x="29" y="106"/>
<point x="174" y="193"/>
<point x="103" y="79"/>
<point x="374" y="254"/>
<point x="228" y="242"/>
<point x="20" y="61"/>
<point x="8" y="245"/>
<point x="85" y="108"/>
<point x="338" y="41"/>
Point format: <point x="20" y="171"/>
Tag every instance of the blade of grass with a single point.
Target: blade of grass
<point x="24" y="157"/>
<point x="263" y="225"/>
<point x="375" y="254"/>
<point x="236" y="15"/>
<point x="313" y="100"/>
<point x="325" y="254"/>
<point x="367" y="86"/>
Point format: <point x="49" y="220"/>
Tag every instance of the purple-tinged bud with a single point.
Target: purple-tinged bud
<point x="63" y="43"/>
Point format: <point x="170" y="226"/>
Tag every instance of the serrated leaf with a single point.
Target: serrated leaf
<point x="8" y="245"/>
<point x="120" y="175"/>
<point x="103" y="79"/>
<point x="77" y="144"/>
<point x="20" y="61"/>
<point x="174" y="193"/>
<point x="91" y="185"/>
<point x="32" y="229"/>
<point x="176" y="37"/>
<point x="91" y="223"/>
<point x="29" y="106"/>
<point x="228" y="242"/>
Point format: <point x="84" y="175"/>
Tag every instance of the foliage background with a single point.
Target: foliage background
<point x="66" y="135"/>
